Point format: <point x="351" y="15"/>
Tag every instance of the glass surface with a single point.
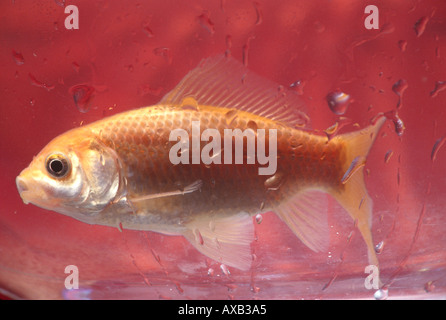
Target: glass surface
<point x="128" y="54"/>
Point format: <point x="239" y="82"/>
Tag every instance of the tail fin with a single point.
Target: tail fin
<point x="354" y="197"/>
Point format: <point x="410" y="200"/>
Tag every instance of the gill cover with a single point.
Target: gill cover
<point x="100" y="169"/>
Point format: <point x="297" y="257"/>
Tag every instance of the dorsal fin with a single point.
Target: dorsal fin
<point x="222" y="81"/>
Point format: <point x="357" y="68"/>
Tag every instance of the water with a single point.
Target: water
<point x="134" y="52"/>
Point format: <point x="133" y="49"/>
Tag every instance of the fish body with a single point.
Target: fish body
<point x="131" y="170"/>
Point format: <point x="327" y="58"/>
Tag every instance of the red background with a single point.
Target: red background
<point x="133" y="52"/>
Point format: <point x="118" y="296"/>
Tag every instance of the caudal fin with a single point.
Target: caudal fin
<point x="354" y="197"/>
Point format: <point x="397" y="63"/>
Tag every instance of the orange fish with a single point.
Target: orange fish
<point x="173" y="168"/>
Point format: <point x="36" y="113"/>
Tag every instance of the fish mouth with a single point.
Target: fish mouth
<point x="32" y="194"/>
<point x="22" y="188"/>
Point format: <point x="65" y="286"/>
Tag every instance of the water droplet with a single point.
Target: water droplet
<point x="252" y="125"/>
<point x="259" y="18"/>
<point x="212" y="225"/>
<point x="259" y="218"/>
<point x="155" y="255"/>
<point x="228" y="46"/>
<point x="40" y="84"/>
<point x="397" y="122"/>
<point x="178" y="287"/>
<point x="198" y="237"/>
<point x="230" y="116"/>
<point x="60" y="3"/>
<point x="302" y="119"/>
<point x="163" y="52"/>
<point x="360" y="203"/>
<point x="281" y="91"/>
<point x="331" y="131"/>
<point x="206" y="23"/>
<point x="381" y="294"/>
<point x="294" y="143"/>
<point x="334" y="129"/>
<point x="439" y="86"/>
<point x="148" y="32"/>
<point x="273" y="183"/>
<point x="438" y="144"/>
<point x="402" y="44"/>
<point x="246" y="51"/>
<point x="225" y="269"/>
<point x="356" y="164"/>
<point x="32" y="102"/>
<point x="231" y="286"/>
<point x="18" y="58"/>
<point x="148" y="89"/>
<point x="387" y="28"/>
<point x="101" y="157"/>
<point x="399" y="87"/>
<point x="82" y="96"/>
<point x="255" y="289"/>
<point x="379" y="247"/>
<point x="77" y="294"/>
<point x="211" y="272"/>
<point x="217" y="243"/>
<point x="76" y="66"/>
<point x="298" y="86"/>
<point x="399" y="126"/>
<point x="189" y="103"/>
<point x="429" y="286"/>
<point x="420" y="25"/>
<point x="338" y="102"/>
<point x="388" y="156"/>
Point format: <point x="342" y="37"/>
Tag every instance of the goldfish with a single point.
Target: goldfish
<point x="182" y="167"/>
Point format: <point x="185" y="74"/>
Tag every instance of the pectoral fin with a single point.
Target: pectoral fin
<point x="196" y="185"/>
<point x="226" y="240"/>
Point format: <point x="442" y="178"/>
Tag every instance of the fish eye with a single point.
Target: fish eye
<point x="57" y="165"/>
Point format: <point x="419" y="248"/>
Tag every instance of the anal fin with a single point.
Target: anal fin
<point x="226" y="240"/>
<point x="306" y="215"/>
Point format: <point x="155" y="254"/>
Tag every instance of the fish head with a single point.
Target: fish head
<point x="73" y="175"/>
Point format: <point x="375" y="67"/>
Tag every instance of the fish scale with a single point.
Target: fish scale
<point x="116" y="134"/>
